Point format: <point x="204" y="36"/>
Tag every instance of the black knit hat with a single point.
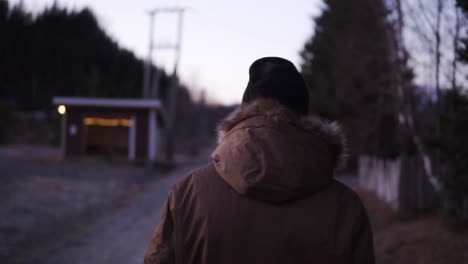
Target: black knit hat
<point x="277" y="78"/>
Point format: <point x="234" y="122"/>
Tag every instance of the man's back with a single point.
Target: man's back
<point x="269" y="197"/>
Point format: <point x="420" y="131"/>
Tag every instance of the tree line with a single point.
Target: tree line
<point x="61" y="52"/>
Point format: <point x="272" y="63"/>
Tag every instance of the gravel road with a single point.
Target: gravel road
<point x="118" y="237"/>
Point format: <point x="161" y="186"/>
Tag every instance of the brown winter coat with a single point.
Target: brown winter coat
<point x="269" y="197"/>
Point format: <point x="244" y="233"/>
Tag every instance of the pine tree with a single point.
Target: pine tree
<point x="347" y="65"/>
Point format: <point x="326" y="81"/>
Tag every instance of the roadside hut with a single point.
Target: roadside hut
<point x="122" y="126"/>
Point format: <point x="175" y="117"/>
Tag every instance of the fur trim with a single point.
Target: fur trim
<point x="331" y="132"/>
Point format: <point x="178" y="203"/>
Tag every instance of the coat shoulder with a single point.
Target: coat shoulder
<point x="194" y="178"/>
<point x="348" y="197"/>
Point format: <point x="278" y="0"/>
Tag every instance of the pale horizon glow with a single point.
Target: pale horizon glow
<point x="220" y="38"/>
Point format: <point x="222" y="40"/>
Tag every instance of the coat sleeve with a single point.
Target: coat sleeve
<point x="161" y="247"/>
<point x="363" y="242"/>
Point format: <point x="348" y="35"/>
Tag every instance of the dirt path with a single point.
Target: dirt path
<point x="350" y="180"/>
<point x="119" y="237"/>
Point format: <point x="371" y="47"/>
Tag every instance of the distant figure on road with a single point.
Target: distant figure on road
<point x="269" y="196"/>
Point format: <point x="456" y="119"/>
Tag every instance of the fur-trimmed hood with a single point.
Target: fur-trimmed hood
<point x="270" y="153"/>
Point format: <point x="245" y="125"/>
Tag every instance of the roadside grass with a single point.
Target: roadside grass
<point x="424" y="239"/>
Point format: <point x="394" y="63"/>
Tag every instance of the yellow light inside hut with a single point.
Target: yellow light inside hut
<point x="125" y="122"/>
<point x="108" y="122"/>
<point x="61" y="109"/>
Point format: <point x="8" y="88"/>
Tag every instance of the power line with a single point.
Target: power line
<point x="150" y="79"/>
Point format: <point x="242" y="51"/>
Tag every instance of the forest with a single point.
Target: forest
<point x="61" y="52"/>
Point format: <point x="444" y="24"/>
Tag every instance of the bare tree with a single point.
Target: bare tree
<point x="456" y="45"/>
<point x="440" y="8"/>
<point x="405" y="110"/>
<point x="431" y="31"/>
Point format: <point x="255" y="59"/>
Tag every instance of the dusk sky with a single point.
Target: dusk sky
<point x="220" y="39"/>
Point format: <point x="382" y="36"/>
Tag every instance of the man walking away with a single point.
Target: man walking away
<point x="269" y="196"/>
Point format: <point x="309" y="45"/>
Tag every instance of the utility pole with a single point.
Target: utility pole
<point x="148" y="63"/>
<point x="151" y="82"/>
<point x="173" y="91"/>
<point x="179" y="39"/>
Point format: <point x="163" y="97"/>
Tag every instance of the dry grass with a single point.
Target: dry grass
<point x="417" y="240"/>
